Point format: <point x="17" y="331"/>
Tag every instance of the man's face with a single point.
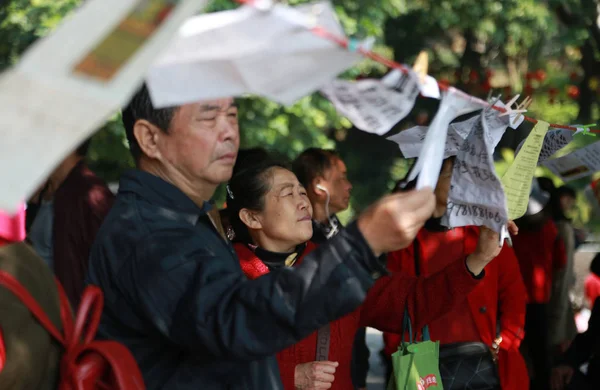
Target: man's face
<point x="567" y="203"/>
<point x="339" y="187"/>
<point x="203" y="141"/>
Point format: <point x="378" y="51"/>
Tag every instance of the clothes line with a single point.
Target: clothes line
<point x="352" y="46"/>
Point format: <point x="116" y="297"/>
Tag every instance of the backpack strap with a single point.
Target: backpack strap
<point x="7" y="280"/>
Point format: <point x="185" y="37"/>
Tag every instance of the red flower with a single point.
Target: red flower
<point x="573" y="91"/>
<point x="474" y="76"/>
<point x="540" y="75"/>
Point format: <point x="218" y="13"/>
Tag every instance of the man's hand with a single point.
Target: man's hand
<point x="315" y="375"/>
<point x="561" y="376"/>
<point x="393" y="222"/>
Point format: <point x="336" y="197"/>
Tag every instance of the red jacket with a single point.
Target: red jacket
<point x="540" y="253"/>
<point x="383" y="308"/>
<point x="500" y="298"/>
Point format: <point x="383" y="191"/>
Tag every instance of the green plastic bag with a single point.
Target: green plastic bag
<point x="416" y="364"/>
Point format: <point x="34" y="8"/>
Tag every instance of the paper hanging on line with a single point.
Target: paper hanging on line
<point x="68" y="84"/>
<point x="476" y="196"/>
<point x="375" y="106"/>
<point x="581" y="163"/>
<point x="518" y="177"/>
<point x="429" y="162"/>
<point x="272" y="53"/>
<point x="555" y="140"/>
<point x="410" y="141"/>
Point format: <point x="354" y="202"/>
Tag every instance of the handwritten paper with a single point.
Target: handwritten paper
<point x="581" y="163"/>
<point x="517" y="180"/>
<point x="272" y="53"/>
<point x="68" y="83"/>
<point x="429" y="163"/>
<point x="410" y="141"/>
<point x="476" y="197"/>
<point x="554" y="140"/>
<point x="374" y="106"/>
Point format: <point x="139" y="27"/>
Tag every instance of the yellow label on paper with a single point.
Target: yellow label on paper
<point x="517" y="180"/>
<point x="113" y="52"/>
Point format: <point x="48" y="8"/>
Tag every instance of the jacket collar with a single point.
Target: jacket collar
<point x="161" y="193"/>
<point x="253" y="267"/>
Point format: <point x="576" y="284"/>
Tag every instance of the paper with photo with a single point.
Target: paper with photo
<point x="272" y="53"/>
<point x="518" y="177"/>
<point x="555" y="140"/>
<point x="67" y="84"/>
<point x="476" y="197"/>
<point x="429" y="162"/>
<point x="581" y="163"/>
<point x="374" y="106"/>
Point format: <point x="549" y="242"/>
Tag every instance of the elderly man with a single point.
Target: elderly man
<point x="174" y="291"/>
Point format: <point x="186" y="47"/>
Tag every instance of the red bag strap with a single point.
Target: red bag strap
<point x="13" y="285"/>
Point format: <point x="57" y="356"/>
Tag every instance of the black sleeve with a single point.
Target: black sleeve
<point x="203" y="302"/>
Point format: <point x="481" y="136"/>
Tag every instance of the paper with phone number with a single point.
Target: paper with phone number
<point x="476" y="197"/>
<point x="429" y="162"/>
<point x="581" y="163"/>
<point x="518" y="177"/>
<point x="375" y="106"/>
<point x="69" y="83"/>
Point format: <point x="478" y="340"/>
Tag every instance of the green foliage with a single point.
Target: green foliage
<point x="510" y="37"/>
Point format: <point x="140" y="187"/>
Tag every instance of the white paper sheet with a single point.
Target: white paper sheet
<point x="67" y="84"/>
<point x="374" y="106"/>
<point x="476" y="196"/>
<point x="581" y="163"/>
<point x="270" y="53"/>
<point x="555" y="140"/>
<point x="430" y="159"/>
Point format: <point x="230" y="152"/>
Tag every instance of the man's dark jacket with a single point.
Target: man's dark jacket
<point x="176" y="296"/>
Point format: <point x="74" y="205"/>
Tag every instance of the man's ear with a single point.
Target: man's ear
<point x="317" y="187"/>
<point x="250" y="219"/>
<point x="148" y="136"/>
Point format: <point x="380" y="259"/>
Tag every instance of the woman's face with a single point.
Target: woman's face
<point x="443" y="188"/>
<point x="286" y="218"/>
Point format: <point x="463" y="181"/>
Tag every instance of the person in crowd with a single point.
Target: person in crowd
<point x="324" y="176"/>
<point x="567" y="374"/>
<point x="541" y="253"/>
<point x="29" y="355"/>
<point x="63" y="218"/>
<point x="174" y="291"/>
<point x="271" y="215"/>
<point x="560" y="308"/>
<point x="499" y="299"/>
<point x="592" y="281"/>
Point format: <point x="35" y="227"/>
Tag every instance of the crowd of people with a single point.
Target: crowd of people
<point x="271" y="291"/>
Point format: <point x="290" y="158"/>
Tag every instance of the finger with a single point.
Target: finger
<point x="328" y="369"/>
<point x="324" y="377"/>
<point x="513" y="228"/>
<point x="420" y="205"/>
<point x="322" y="385"/>
<point x="415" y="198"/>
<point x="329" y="363"/>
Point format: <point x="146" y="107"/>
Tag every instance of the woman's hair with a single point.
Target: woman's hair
<point x="313" y="163"/>
<point x="246" y="190"/>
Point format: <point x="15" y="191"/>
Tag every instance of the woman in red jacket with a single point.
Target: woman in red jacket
<point x="271" y="217"/>
<point x="497" y="300"/>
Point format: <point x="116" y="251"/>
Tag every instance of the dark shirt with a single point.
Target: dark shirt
<point x="176" y="296"/>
